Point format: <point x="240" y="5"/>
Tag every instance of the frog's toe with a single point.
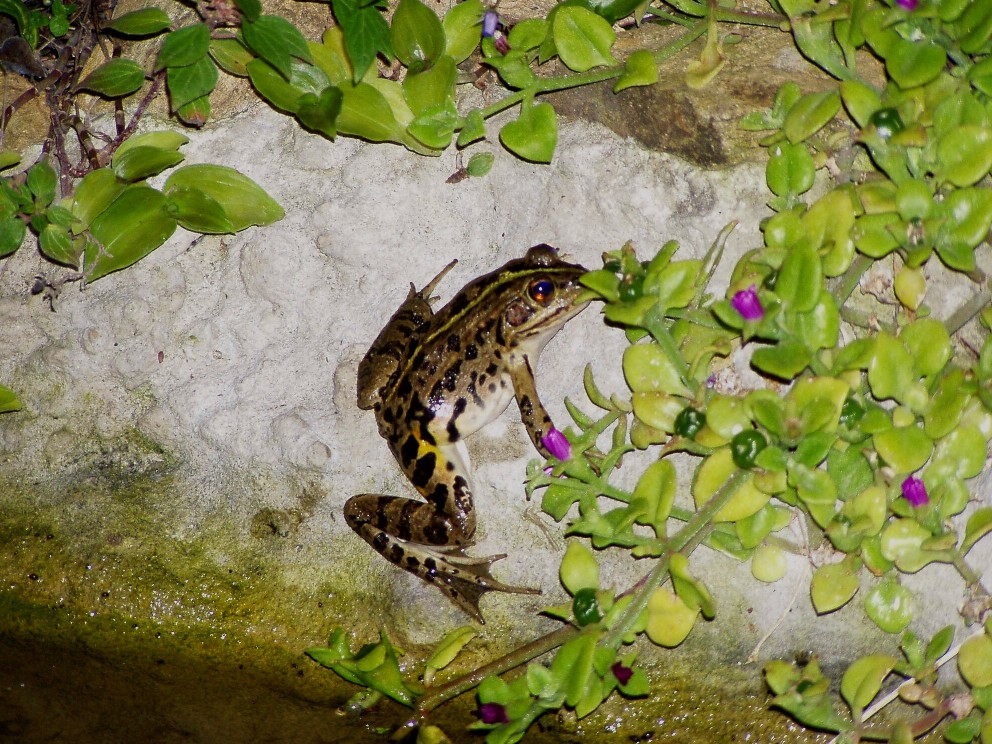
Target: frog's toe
<point x="464" y="579"/>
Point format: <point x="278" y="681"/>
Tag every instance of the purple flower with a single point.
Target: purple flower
<point x="556" y="444"/>
<point x="915" y="492"/>
<point x="490" y="22"/>
<point x="622" y="673"/>
<point x="746" y="302"/>
<point x="909" y="5"/>
<point x="493" y="713"/>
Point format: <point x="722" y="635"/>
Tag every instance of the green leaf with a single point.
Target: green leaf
<point x="196" y="112"/>
<point x="193" y="81"/>
<point x="790" y="170"/>
<point x="417" y="35"/>
<point x="431" y="88"/>
<point x="195" y="210"/>
<point x="42" y="182"/>
<point x="639" y="69"/>
<point x="800" y="280"/>
<point x="889" y="605"/>
<point x="8" y="400"/>
<point x="57" y="245"/>
<point x="231" y="56"/>
<point x="916" y="62"/>
<point x="462" y="30"/>
<point x="480" y="164"/>
<point x="528" y="34"/>
<point x="810" y="114"/>
<point x="583" y="38"/>
<point x="184" y="46"/>
<point x="863" y="679"/>
<point x="134" y="225"/>
<point x="304" y="78"/>
<point x="145" y="22"/>
<point x="979" y="525"/>
<point x="833" y="586"/>
<point x="277" y="41"/>
<point x="474" y="128"/>
<point x="94" y="194"/>
<point x="366" y="33"/>
<point x="975" y="660"/>
<point x="244" y="202"/>
<point x="12" y="232"/>
<point x="250" y="9"/>
<point x="137" y="163"/>
<point x="320" y="114"/>
<point x="435" y="126"/>
<point x="784" y="360"/>
<point x="449" y="647"/>
<point x="669" y="618"/>
<point x="578" y="569"/>
<point x="366" y="113"/>
<point x="860" y="100"/>
<point x="115" y="78"/>
<point x="964" y="155"/>
<point x="533" y="135"/>
<point x="905" y="449"/>
<point x="162" y="139"/>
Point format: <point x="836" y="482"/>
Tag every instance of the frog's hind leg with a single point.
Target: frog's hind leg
<point x="439" y="560"/>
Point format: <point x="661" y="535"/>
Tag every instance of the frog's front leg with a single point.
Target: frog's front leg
<point x="532" y="411"/>
<point x="429" y="539"/>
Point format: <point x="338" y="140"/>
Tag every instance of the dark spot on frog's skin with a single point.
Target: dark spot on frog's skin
<point x="380" y="541"/>
<point x="412" y="562"/>
<point x="451" y="376"/>
<point x="431" y="567"/>
<point x="480" y="335"/>
<point x="454" y="342"/>
<point x="395" y="554"/>
<point x="409" y="450"/>
<point x="422" y="473"/>
<point x="439" y="496"/>
<point x="457" y="410"/>
<point x="526" y="407"/>
<point x="492" y="369"/>
<point x="403" y="531"/>
<point x="492" y="387"/>
<point x="436" y="533"/>
<point x="405" y="388"/>
<point x="471" y="352"/>
<point x="449" y="466"/>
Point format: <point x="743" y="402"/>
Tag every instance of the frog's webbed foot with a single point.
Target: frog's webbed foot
<point x="464" y="579"/>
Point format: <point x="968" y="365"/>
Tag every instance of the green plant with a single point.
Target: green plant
<point x="876" y="437"/>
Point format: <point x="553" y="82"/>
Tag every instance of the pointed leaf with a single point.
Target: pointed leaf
<point x="184" y="46"/>
<point x="114" y="79"/>
<point x="193" y="81"/>
<point x="8" y="400"/>
<point x="197" y="211"/>
<point x="134" y="225"/>
<point x="277" y="41"/>
<point x="244" y="202"/>
<point x="144" y="22"/>
<point x="583" y="38"/>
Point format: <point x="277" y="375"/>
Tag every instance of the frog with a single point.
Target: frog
<point x="434" y="378"/>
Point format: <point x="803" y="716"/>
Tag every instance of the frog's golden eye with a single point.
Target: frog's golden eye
<point x="541" y="291"/>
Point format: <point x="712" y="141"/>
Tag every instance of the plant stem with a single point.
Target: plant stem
<point x="522" y="655"/>
<point x="552" y="84"/>
<point x="968" y="311"/>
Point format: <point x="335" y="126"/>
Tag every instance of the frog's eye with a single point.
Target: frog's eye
<point x="541" y="291"/>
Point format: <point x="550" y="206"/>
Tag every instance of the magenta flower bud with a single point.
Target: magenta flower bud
<point x="622" y="673"/>
<point x="502" y="44"/>
<point x="909" y="5"/>
<point x="556" y="444"/>
<point x="746" y="302"/>
<point x="493" y="713"/>
<point x="490" y="22"/>
<point x="915" y="492"/>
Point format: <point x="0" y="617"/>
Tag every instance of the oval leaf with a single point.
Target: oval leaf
<point x="113" y="79"/>
<point x="134" y="225"/>
<point x="583" y="38"/>
<point x="244" y="202"/>
<point x="144" y="22"/>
